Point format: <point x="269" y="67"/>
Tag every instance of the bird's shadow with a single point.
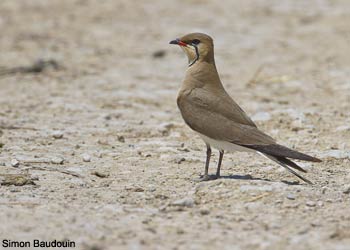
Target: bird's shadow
<point x="249" y="177"/>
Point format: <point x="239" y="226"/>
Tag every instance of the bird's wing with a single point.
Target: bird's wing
<point x="287" y="164"/>
<point x="207" y="120"/>
<point x="220" y="102"/>
<point x="207" y="117"/>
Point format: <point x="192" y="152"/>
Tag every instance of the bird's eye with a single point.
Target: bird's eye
<point x="195" y="41"/>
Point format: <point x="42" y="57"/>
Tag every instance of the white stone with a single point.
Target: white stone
<point x="185" y="202"/>
<point x="290" y="196"/>
<point x="57" y="134"/>
<point x="57" y="160"/>
<point x="310" y="204"/>
<point x="86" y="158"/>
<point x="14" y="163"/>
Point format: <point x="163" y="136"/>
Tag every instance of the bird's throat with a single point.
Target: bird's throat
<point x="196" y="57"/>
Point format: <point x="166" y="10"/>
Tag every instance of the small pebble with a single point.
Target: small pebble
<point x="185" y="202"/>
<point x="290" y="196"/>
<point x="347" y="190"/>
<point x="178" y="160"/>
<point x="204" y="211"/>
<point x="315" y="224"/>
<point x="57" y="160"/>
<point x="180" y="231"/>
<point x="108" y="117"/>
<point x="310" y="204"/>
<point x="100" y="174"/>
<point x="103" y="142"/>
<point x="57" y="134"/>
<point x="165" y="128"/>
<point x="161" y="197"/>
<point x="159" y="53"/>
<point x="121" y="138"/>
<point x="86" y="158"/>
<point x="138" y="189"/>
<point x="15" y="163"/>
<point x="183" y="149"/>
<point x="14" y="190"/>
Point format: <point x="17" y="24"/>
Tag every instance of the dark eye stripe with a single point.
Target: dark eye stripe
<point x="195" y="41"/>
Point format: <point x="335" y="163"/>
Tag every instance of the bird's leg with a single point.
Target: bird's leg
<point x="206" y="171"/>
<point x="219" y="163"/>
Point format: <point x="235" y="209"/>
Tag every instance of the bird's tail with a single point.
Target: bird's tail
<point x="279" y="154"/>
<point x="288" y="164"/>
<point x="282" y="151"/>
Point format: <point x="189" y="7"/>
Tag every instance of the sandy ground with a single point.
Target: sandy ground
<point x="112" y="161"/>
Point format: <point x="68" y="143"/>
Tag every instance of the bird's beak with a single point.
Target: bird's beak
<point x="177" y="41"/>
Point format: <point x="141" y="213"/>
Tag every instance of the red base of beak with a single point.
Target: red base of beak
<point x="178" y="42"/>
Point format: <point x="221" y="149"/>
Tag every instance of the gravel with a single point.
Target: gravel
<point x="112" y="98"/>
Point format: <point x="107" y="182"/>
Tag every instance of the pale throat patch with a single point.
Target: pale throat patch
<point x="192" y="54"/>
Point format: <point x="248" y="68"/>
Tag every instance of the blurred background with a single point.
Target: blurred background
<point x="93" y="148"/>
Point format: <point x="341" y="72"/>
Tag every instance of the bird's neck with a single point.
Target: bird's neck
<point x="202" y="74"/>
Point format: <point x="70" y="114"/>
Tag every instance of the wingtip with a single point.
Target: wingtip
<point x="287" y="164"/>
<point x="314" y="159"/>
<point x="308" y="181"/>
<point x="303" y="178"/>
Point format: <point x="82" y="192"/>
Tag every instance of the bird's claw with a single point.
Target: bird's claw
<point x="207" y="178"/>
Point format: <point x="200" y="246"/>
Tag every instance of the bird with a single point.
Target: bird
<point x="209" y="110"/>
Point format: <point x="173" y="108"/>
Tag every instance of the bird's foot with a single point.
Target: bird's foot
<point x="207" y="178"/>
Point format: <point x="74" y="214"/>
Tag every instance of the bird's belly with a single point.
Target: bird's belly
<point x="224" y="145"/>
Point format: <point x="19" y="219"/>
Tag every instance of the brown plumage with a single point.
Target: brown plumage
<point x="208" y="109"/>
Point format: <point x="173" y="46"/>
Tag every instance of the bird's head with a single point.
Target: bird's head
<point x="197" y="46"/>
